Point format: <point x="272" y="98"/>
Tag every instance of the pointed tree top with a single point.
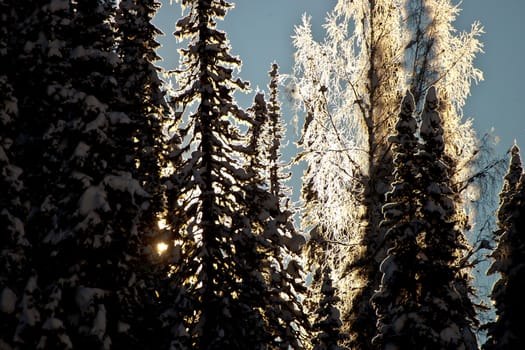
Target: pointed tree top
<point x="431" y="97"/>
<point x="431" y="129"/>
<point x="515" y="168"/>
<point x="408" y="104"/>
<point x="515" y="159"/>
<point x="275" y="68"/>
<point x="259" y="99"/>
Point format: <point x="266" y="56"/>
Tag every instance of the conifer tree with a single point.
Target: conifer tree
<point x="447" y="315"/>
<point x="8" y="21"/>
<point x="84" y="284"/>
<point x="258" y="137"/>
<point x="423" y="300"/>
<point x="14" y="246"/>
<point x="143" y="95"/>
<point x="95" y="200"/>
<point x="280" y="239"/>
<point x="40" y="45"/>
<point x="328" y="322"/>
<point x="222" y="273"/>
<point x="276" y="131"/>
<point x="397" y="298"/>
<point x="506" y="332"/>
<point x="510" y="184"/>
<point x="11" y="212"/>
<point x="13" y="242"/>
<point x="144" y="102"/>
<point x="272" y="222"/>
<point x="436" y="55"/>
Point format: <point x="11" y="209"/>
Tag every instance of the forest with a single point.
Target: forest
<point x="144" y="208"/>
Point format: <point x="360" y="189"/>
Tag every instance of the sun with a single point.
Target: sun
<point x="161" y="248"/>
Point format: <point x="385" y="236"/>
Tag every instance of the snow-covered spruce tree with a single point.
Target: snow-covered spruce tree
<point x="510" y="184"/>
<point x="13" y="242"/>
<point x="8" y="19"/>
<point x="436" y="54"/>
<point x="276" y="131"/>
<point x="78" y="157"/>
<point x="396" y="301"/>
<point x="327" y="325"/>
<point x="507" y="331"/>
<point x="258" y="137"/>
<point x="143" y="100"/>
<point x="446" y="316"/>
<point x="110" y="215"/>
<point x="422" y="302"/>
<point x="14" y="246"/>
<point x="222" y="273"/>
<point x="75" y="208"/>
<point x="143" y="95"/>
<point x="273" y="221"/>
<point x="38" y="48"/>
<point x="347" y="123"/>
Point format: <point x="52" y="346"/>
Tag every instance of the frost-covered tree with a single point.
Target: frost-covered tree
<point x="506" y="332"/>
<point x="348" y="86"/>
<point x="436" y="55"/>
<point x="226" y="286"/>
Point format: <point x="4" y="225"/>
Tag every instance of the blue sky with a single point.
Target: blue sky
<point x="260" y="32"/>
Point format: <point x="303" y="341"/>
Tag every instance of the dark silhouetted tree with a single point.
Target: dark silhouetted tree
<point x="397" y="298"/>
<point x="85" y="283"/>
<point x="507" y="331"/>
<point x="447" y="316"/>
<point x="327" y="324"/>
<point x="273" y="221"/>
<point x="423" y="301"/>
<point x="14" y="245"/>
